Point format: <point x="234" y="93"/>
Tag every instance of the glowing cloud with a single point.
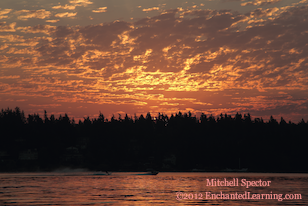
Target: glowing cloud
<point x="53" y="21"/>
<point x="68" y="7"/>
<point x="66" y="14"/>
<point x="3" y="12"/>
<point x="100" y="10"/>
<point x="80" y="2"/>
<point x="151" y="9"/>
<point x="28" y="14"/>
<point x="47" y="29"/>
<point x="8" y="28"/>
<point x="260" y="2"/>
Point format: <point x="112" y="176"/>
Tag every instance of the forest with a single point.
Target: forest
<point x="180" y="142"/>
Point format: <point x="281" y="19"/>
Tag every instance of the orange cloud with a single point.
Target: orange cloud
<point x="53" y="21"/>
<point x="68" y="7"/>
<point x="3" y="12"/>
<point x="100" y="10"/>
<point x="47" y="29"/>
<point x="151" y="9"/>
<point x="7" y="28"/>
<point x="80" y="2"/>
<point x="28" y="14"/>
<point x="65" y="14"/>
<point x="260" y="2"/>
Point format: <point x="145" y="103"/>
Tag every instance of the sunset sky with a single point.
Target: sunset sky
<point x="81" y="57"/>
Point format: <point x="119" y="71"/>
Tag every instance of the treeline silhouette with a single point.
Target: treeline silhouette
<point x="180" y="142"/>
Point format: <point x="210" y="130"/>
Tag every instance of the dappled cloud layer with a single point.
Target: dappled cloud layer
<point x="187" y="58"/>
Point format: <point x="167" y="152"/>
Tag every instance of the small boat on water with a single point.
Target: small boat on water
<point x="235" y="170"/>
<point x="149" y="173"/>
<point x="240" y="169"/>
<point x="103" y="173"/>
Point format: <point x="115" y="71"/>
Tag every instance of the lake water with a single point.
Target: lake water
<point x="84" y="188"/>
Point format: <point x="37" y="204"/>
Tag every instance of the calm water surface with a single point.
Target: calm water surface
<point x="84" y="188"/>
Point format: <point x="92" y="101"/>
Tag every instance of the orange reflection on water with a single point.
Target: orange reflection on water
<point x="131" y="189"/>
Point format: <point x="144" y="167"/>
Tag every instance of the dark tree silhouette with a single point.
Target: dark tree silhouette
<point x="180" y="142"/>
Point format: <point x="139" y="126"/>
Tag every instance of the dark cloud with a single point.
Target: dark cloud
<point x="103" y="35"/>
<point x="63" y="31"/>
